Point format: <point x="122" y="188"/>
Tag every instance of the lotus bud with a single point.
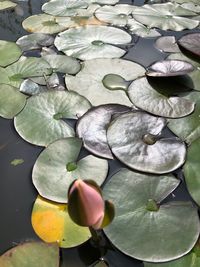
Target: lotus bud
<point x="86" y="206"/>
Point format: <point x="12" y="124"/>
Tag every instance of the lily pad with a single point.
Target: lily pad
<point x="57" y="158"/>
<point x="134" y="139"/>
<point x="4" y="5"/>
<point x="192" y="259"/>
<point x="31" y="88"/>
<point x="155" y="99"/>
<point x="191" y="6"/>
<point x="89" y="81"/>
<point x="138" y="28"/>
<point x="167" y="44"/>
<point x="41" y="123"/>
<point x="29" y="254"/>
<point x="9" y="53"/>
<point x="186" y="1"/>
<point x="191" y="42"/>
<point x="92" y="42"/>
<point x="52" y="223"/>
<point x="152" y="230"/>
<point x="64" y="64"/>
<point x="104" y="2"/>
<point x="193" y="76"/>
<point x="35" y="41"/>
<point x="188" y="128"/>
<point x="116" y="15"/>
<point x="92" y="127"/>
<point x="64" y="7"/>
<point x="11" y="101"/>
<point x="43" y="23"/>
<point x="22" y="69"/>
<point x="167" y="68"/>
<point x="166" y="16"/>
<point x="192" y="169"/>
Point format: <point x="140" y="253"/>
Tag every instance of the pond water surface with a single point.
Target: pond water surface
<point x="17" y="193"/>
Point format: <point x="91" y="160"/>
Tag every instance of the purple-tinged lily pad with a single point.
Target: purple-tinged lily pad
<point x="191" y="42"/>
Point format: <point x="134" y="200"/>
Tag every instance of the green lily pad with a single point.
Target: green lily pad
<point x="191" y="42"/>
<point x="57" y="159"/>
<point x="30" y="254"/>
<point x="155" y="99"/>
<point x="188" y="128"/>
<point x="11" y="101"/>
<point x="116" y="15"/>
<point x="4" y="5"/>
<point x="134" y="139"/>
<point x="138" y="28"/>
<point x="64" y="7"/>
<point x="9" y="53"/>
<point x="41" y="123"/>
<point x="104" y="2"/>
<point x="166" y="16"/>
<point x="191" y="171"/>
<point x="22" y="69"/>
<point x="167" y="44"/>
<point x="195" y="75"/>
<point x="34" y="41"/>
<point x="192" y="7"/>
<point x="170" y="67"/>
<point x="143" y="227"/>
<point x="185" y="1"/>
<point x="92" y="42"/>
<point x="43" y="23"/>
<point x="92" y="127"/>
<point x="89" y="81"/>
<point x="64" y="64"/>
<point x="52" y="223"/>
<point x="31" y="88"/>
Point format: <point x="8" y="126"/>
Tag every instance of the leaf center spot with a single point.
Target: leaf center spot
<point x="49" y="23"/>
<point x="71" y="166"/>
<point x="149" y="139"/>
<point x="58" y="116"/>
<point x="115" y="82"/>
<point x="122" y="15"/>
<point x="152" y="205"/>
<point x="98" y="43"/>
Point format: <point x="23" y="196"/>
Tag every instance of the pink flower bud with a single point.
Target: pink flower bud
<point x="85" y="204"/>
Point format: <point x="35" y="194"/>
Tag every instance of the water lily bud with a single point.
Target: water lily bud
<point x="85" y="204"/>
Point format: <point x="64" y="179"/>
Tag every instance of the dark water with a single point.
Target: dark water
<point x="17" y="193"/>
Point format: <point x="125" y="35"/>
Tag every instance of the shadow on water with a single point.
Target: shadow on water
<point x="17" y="193"/>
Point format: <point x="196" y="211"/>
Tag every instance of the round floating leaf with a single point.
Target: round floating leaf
<point x="138" y="28"/>
<point x="145" y="229"/>
<point x="192" y="169"/>
<point x="117" y="15"/>
<point x="166" y="16"/>
<point x="168" y="68"/>
<point x="35" y="41"/>
<point x="194" y="76"/>
<point x="65" y="64"/>
<point x="191" y="42"/>
<point x="11" y="101"/>
<point x="104" y="2"/>
<point x="154" y="98"/>
<point x="92" y="127"/>
<point x="4" y="5"/>
<point x="191" y="7"/>
<point x="41" y="123"/>
<point x="133" y="139"/>
<point x="44" y="23"/>
<point x="31" y="88"/>
<point x="192" y="259"/>
<point x="57" y="159"/>
<point x="188" y="128"/>
<point x="89" y="81"/>
<point x="185" y="1"/>
<point x="9" y="53"/>
<point x="92" y="42"/>
<point x="167" y="44"/>
<point x="31" y="254"/>
<point x="64" y="7"/>
<point x="24" y="68"/>
<point x="52" y="223"/>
